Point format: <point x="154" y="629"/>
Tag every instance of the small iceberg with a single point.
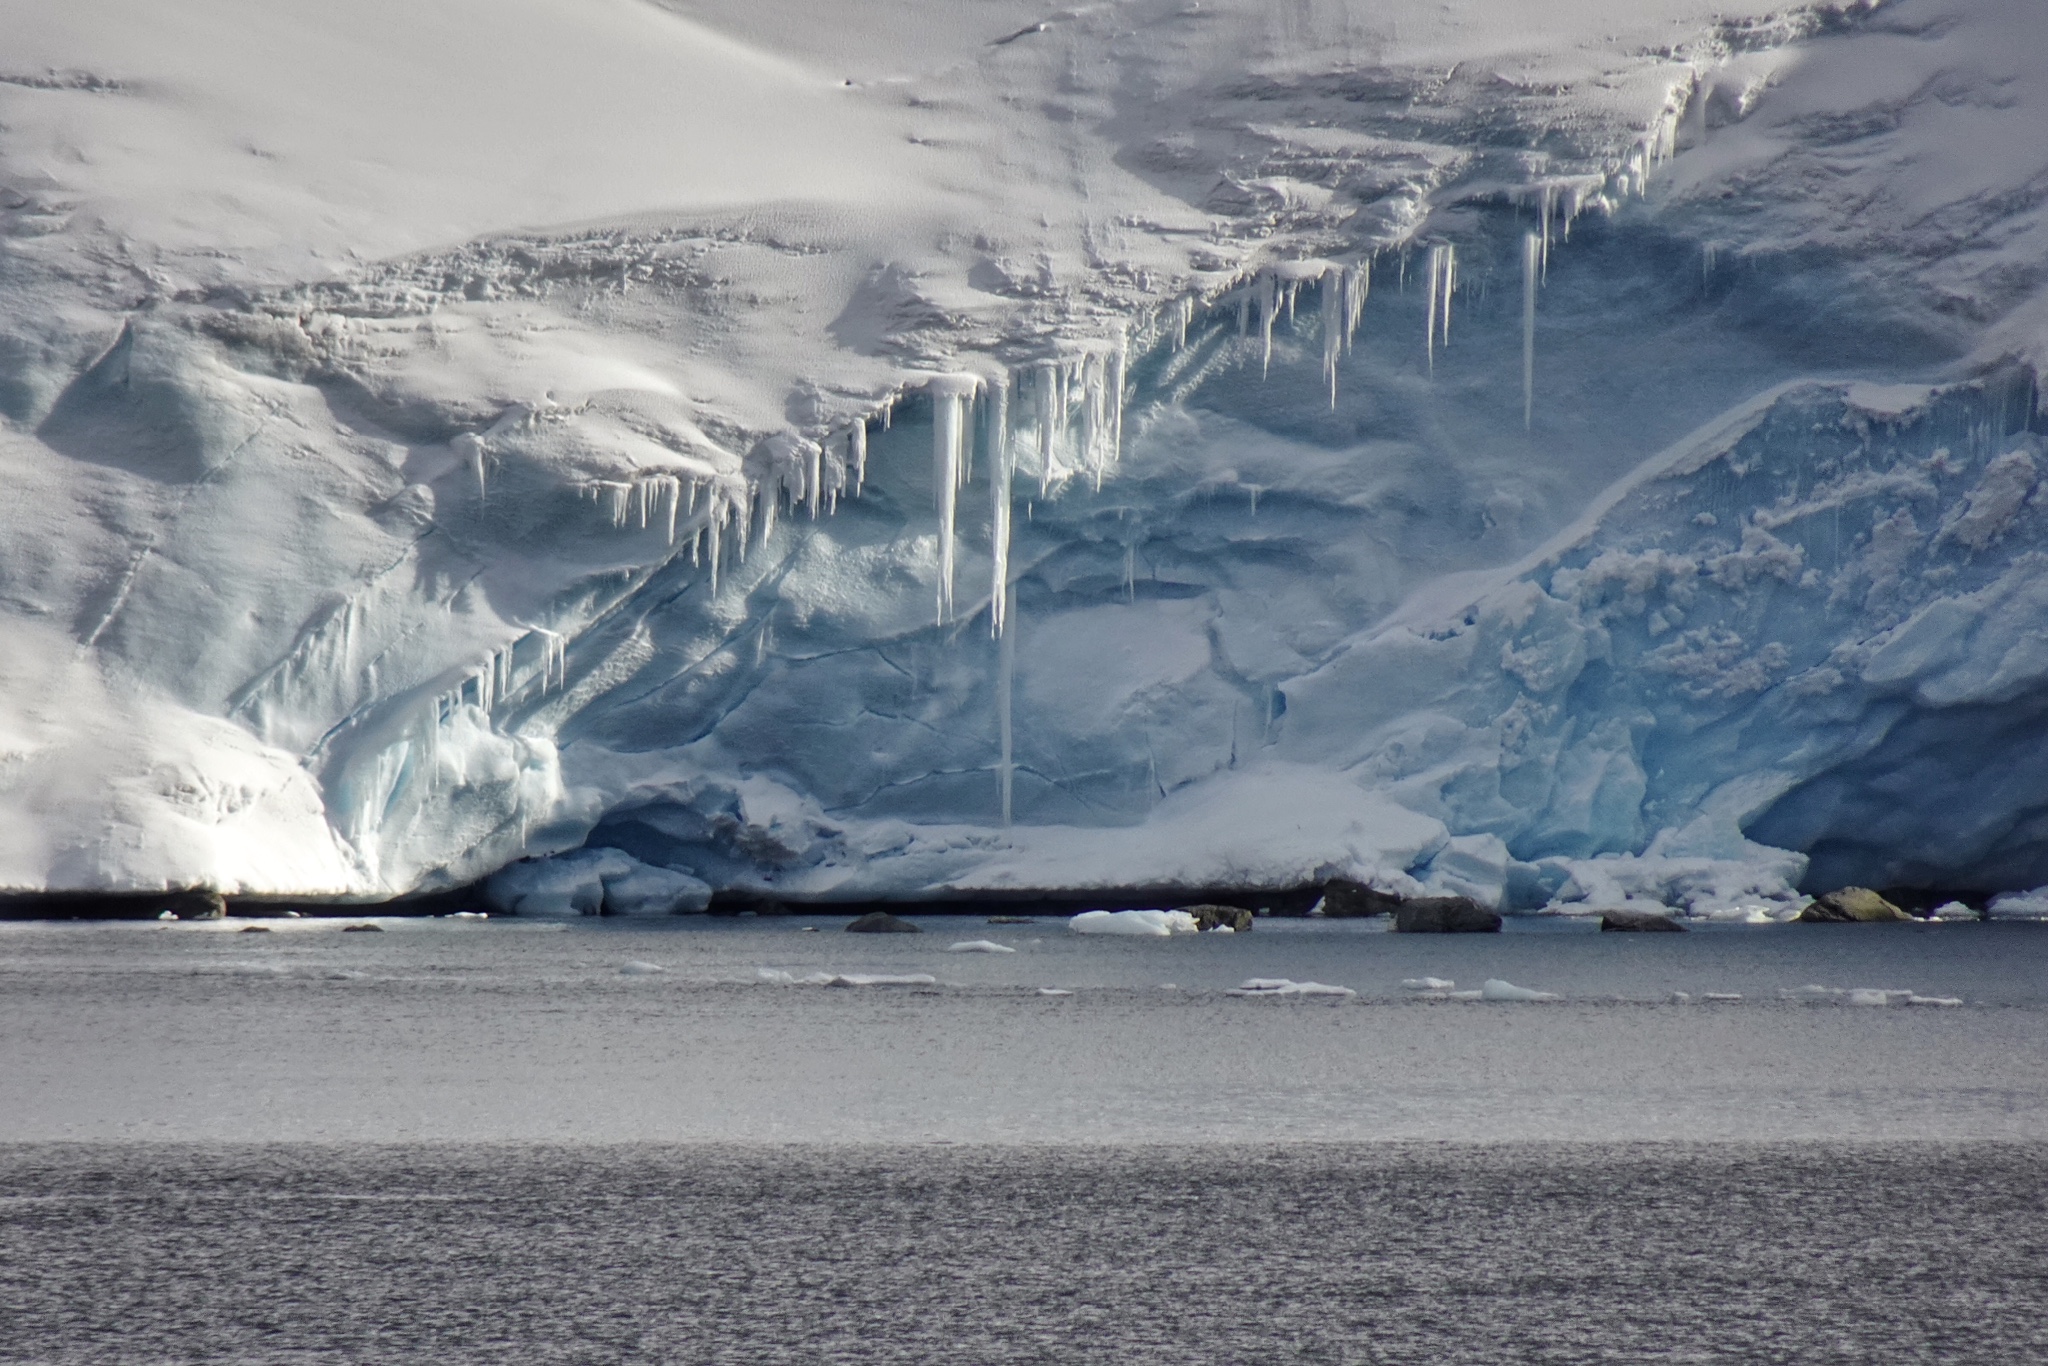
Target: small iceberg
<point x="1934" y="1000"/>
<point x="1143" y="924"/>
<point x="1428" y="983"/>
<point x="979" y="946"/>
<point x="1721" y="996"/>
<point x="636" y="968"/>
<point x="1054" y="991"/>
<point x="1494" y="989"/>
<point x="1282" y="986"/>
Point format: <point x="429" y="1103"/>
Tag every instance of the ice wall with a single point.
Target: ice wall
<point x="1090" y="482"/>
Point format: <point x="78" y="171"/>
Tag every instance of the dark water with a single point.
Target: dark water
<point x="1902" y="1252"/>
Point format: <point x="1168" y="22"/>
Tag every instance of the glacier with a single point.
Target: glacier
<point x="997" y="450"/>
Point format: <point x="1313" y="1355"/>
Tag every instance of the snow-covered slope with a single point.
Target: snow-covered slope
<point x="1391" y="439"/>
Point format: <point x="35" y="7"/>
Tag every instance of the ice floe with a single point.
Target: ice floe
<point x="1282" y="986"/>
<point x="1140" y="924"/>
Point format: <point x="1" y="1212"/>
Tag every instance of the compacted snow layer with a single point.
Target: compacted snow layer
<point x="928" y="447"/>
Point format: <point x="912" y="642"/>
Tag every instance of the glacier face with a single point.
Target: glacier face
<point x="685" y="532"/>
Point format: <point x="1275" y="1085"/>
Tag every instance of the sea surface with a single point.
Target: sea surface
<point x="454" y="1141"/>
<point x="1394" y="1253"/>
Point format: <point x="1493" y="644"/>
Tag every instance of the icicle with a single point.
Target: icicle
<point x="1293" y="287"/>
<point x="1549" y="202"/>
<point x="950" y="396"/>
<point x="817" y="471"/>
<point x="1268" y="307"/>
<point x="1244" y="306"/>
<point x="857" y="452"/>
<point x="621" y="500"/>
<point x="769" y="499"/>
<point x="1429" y="323"/>
<point x="692" y="509"/>
<point x="1532" y="266"/>
<point x="1000" y="468"/>
<point x="1119" y="363"/>
<point x="1334" y="321"/>
<point x="1048" y="411"/>
<point x="713" y="525"/>
<point x="1130" y="573"/>
<point x="674" y="488"/>
<point x="476" y="462"/>
<point x="1006" y="680"/>
<point x="1450" y="289"/>
<point x="1183" y="318"/>
<point x="1356" y="288"/>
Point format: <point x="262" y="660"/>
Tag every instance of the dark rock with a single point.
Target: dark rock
<point x="255" y="929"/>
<point x="1847" y="905"/>
<point x="1208" y="917"/>
<point x="1012" y="920"/>
<point x="1638" y="920"/>
<point x="196" y="905"/>
<point x="881" y="922"/>
<point x="1344" y="899"/>
<point x="1445" y="915"/>
<point x="362" y="929"/>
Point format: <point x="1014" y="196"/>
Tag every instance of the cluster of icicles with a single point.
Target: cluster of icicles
<point x="1050" y="421"/>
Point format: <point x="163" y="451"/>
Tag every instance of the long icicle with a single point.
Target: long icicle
<point x="1335" y="320"/>
<point x="1006" y="678"/>
<point x="950" y="397"/>
<point x="1436" y="264"/>
<point x="1532" y="267"/>
<point x="999" y="471"/>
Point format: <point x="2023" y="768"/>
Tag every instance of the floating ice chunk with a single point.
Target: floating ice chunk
<point x="1282" y="986"/>
<point x="1721" y="996"/>
<point x="1954" y="910"/>
<point x="781" y="977"/>
<point x="1473" y="995"/>
<point x="1875" y="996"/>
<point x="1494" y="989"/>
<point x="1812" y="992"/>
<point x="636" y="968"/>
<point x="1680" y="998"/>
<point x="166" y="915"/>
<point x="1054" y="991"/>
<point x="1428" y="983"/>
<point x="2019" y="905"/>
<point x="1752" y="914"/>
<point x="1147" y="924"/>
<point x="979" y="946"/>
<point x="470" y="915"/>
<point x="883" y="979"/>
<point x="1934" y="1000"/>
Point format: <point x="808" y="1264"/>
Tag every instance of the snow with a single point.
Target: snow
<point x="1428" y="983"/>
<point x="979" y="946"/>
<point x="959" y="465"/>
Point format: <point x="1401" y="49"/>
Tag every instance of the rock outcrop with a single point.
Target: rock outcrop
<point x="1445" y="915"/>
<point x="1851" y="905"/>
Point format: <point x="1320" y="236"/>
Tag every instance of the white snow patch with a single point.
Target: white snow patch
<point x="979" y="946"/>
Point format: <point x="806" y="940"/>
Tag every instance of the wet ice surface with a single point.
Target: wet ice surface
<point x="451" y="1030"/>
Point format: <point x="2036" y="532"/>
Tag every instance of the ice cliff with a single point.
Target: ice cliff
<point x="878" y="449"/>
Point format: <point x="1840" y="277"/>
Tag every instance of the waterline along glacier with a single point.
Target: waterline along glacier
<point x="1588" y="450"/>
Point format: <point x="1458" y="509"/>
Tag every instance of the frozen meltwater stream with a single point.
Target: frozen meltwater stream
<point x="443" y="1030"/>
